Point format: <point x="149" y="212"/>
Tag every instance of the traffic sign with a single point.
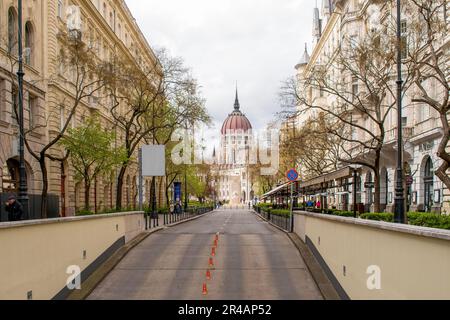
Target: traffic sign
<point x="409" y="180"/>
<point x="292" y="175"/>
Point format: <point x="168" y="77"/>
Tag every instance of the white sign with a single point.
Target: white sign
<point x="153" y="161"/>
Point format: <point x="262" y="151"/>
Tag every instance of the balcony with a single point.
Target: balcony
<point x="426" y="130"/>
<point x="392" y="135"/>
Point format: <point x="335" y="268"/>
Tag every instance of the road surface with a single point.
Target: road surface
<point x="253" y="261"/>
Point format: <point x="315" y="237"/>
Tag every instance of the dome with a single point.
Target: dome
<point x="236" y="121"/>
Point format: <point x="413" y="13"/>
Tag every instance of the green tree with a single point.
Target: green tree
<point x="92" y="153"/>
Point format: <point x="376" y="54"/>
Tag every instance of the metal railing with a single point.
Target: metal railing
<point x="166" y="218"/>
<point x="282" y="221"/>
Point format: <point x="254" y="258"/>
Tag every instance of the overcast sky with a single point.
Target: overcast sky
<point x="254" y="42"/>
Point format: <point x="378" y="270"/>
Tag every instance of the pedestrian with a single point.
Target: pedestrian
<point x="318" y="204"/>
<point x="14" y="209"/>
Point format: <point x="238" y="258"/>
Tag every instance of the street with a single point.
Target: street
<point x="252" y="261"/>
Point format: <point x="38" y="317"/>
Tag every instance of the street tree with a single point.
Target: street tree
<point x="92" y="153"/>
<point x="81" y="74"/>
<point x="428" y="58"/>
<point x="356" y="83"/>
<point x="147" y="99"/>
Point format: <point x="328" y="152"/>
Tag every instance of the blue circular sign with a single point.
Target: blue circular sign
<point x="292" y="175"/>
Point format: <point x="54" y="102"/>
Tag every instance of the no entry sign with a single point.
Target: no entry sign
<point x="292" y="175"/>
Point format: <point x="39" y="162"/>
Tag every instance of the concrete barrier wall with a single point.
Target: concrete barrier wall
<point x="409" y="262"/>
<point x="35" y="255"/>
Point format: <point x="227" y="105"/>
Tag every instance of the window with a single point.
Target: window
<point x="62" y="117"/>
<point x="60" y="9"/>
<point x="353" y="41"/>
<point x="15" y="103"/>
<point x="404" y="121"/>
<point x="104" y="10"/>
<point x="404" y="40"/>
<point x="32" y="105"/>
<point x="12" y="30"/>
<point x="29" y="46"/>
<point x="423" y="113"/>
<point x="355" y="89"/>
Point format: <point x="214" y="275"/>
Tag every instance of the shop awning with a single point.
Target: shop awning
<point x="276" y="191"/>
<point x="338" y="174"/>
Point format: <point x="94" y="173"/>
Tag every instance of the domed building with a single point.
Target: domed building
<point x="235" y="183"/>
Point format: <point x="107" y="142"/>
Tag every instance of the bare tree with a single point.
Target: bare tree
<point x="429" y="60"/>
<point x="148" y="99"/>
<point x="310" y="148"/>
<point x="81" y="74"/>
<point x="357" y="93"/>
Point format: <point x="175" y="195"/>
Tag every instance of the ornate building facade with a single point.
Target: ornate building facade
<point x="234" y="180"/>
<point x="106" y="27"/>
<point x="351" y="19"/>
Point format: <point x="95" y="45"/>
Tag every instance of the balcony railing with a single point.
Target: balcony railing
<point x="427" y="125"/>
<point x="391" y="135"/>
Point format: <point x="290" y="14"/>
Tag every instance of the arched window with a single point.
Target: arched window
<point x="369" y="190"/>
<point x="428" y="179"/>
<point x="12" y="30"/>
<point x="29" y="43"/>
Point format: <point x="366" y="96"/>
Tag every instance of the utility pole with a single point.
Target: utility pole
<point x="23" y="188"/>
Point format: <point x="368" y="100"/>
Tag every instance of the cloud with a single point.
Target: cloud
<point x="254" y="42"/>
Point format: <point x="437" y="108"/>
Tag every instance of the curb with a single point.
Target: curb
<point x="89" y="285"/>
<point x="322" y="281"/>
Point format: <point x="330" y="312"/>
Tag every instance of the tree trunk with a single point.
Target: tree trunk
<point x="95" y="196"/>
<point x="44" y="194"/>
<point x="442" y="153"/>
<point x="87" y="191"/>
<point x="119" y="189"/>
<point x="377" y="182"/>
<point x="167" y="193"/>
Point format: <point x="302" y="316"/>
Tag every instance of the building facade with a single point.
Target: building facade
<point x="105" y="27"/>
<point x="234" y="180"/>
<point x="335" y="22"/>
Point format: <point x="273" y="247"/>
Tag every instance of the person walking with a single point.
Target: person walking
<point x="14" y="209"/>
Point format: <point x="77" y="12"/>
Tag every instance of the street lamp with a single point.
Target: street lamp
<point x="355" y="184"/>
<point x="23" y="189"/>
<point x="399" y="216"/>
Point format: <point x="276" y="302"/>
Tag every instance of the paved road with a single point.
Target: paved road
<point x="253" y="261"/>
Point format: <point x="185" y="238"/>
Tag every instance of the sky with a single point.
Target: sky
<point x="254" y="43"/>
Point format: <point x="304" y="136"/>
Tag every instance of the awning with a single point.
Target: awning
<point x="339" y="174"/>
<point x="276" y="190"/>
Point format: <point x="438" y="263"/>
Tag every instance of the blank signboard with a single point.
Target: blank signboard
<point x="154" y="161"/>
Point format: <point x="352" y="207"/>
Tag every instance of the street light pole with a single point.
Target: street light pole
<point x="186" y="198"/>
<point x="355" y="184"/>
<point x="399" y="190"/>
<point x="23" y="189"/>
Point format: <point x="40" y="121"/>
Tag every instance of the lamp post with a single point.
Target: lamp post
<point x="355" y="186"/>
<point x="23" y="189"/>
<point x="399" y="216"/>
<point x="185" y="189"/>
<point x="355" y="178"/>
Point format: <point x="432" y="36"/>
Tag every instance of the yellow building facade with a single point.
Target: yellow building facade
<point x="106" y="28"/>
